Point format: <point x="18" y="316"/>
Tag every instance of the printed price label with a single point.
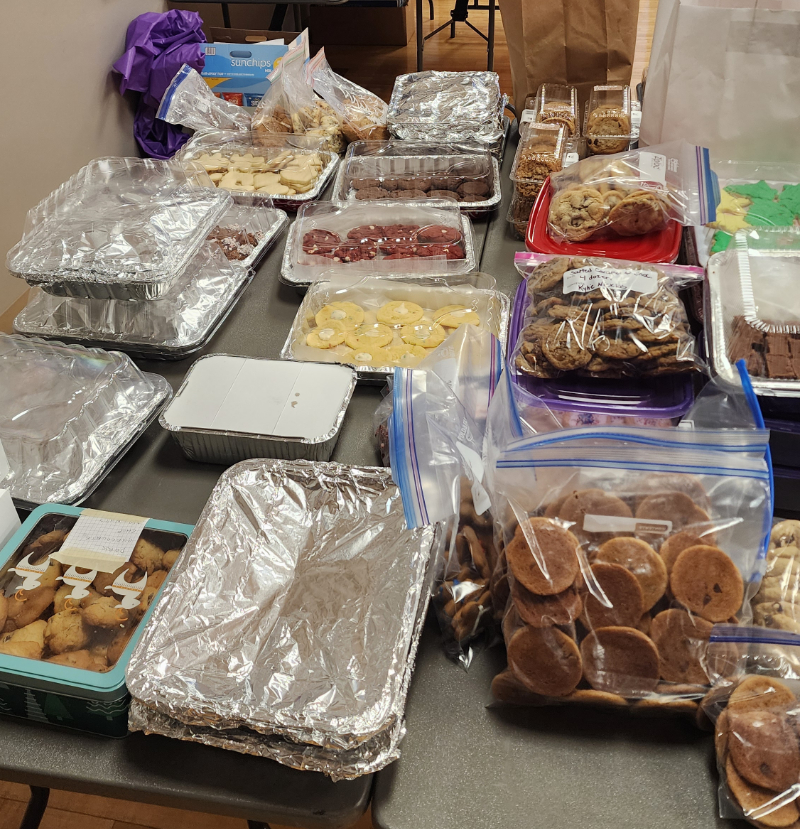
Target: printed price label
<point x="653" y="167"/>
<point x="571" y="158"/>
<point x="528" y="116"/>
<point x="101" y="541"/>
<point x="589" y="278"/>
<point x="616" y="524"/>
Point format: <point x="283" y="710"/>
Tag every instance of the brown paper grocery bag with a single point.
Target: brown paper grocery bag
<point x="580" y="42"/>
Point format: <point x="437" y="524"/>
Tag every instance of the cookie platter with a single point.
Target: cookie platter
<point x="377" y="324"/>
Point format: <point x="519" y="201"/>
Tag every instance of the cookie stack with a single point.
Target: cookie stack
<point x="608" y="120"/>
<point x="777" y="603"/>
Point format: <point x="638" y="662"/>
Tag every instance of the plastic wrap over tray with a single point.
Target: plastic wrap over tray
<point x="120" y="228"/>
<point x="67" y="415"/>
<point x="294" y="608"/>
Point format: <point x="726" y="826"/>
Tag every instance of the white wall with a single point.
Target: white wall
<point x="59" y="104"/>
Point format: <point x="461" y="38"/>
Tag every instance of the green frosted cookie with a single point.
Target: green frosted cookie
<point x="769" y="213"/>
<point x="721" y="241"/>
<point x="760" y="190"/>
<point x="790" y="198"/>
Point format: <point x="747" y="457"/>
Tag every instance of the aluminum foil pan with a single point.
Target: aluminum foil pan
<point x="474" y="291"/>
<point x="294" y="608"/>
<point x="265" y="223"/>
<point x="121" y="228"/>
<point x="67" y="415"/>
<point x="448" y="106"/>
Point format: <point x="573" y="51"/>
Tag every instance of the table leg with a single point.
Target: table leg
<point x="226" y="16"/>
<point x="420" y="36"/>
<point x="35" y="809"/>
<point x="257" y="824"/>
<point x="490" y="62"/>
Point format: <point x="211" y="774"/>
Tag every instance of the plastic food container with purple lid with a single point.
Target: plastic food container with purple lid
<point x="590" y="401"/>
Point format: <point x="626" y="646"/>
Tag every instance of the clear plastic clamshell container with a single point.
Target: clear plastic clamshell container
<point x="262" y="168"/>
<point x="120" y="228"/>
<point x="382" y="238"/>
<point x="377" y="324"/>
<point x="607" y="124"/>
<point x="540" y="152"/>
<point x="419" y="171"/>
<point x="753" y="309"/>
<point x="67" y="415"/>
<point x="556" y="103"/>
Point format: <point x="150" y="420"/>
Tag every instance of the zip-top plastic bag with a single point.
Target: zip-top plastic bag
<point x="272" y="112"/>
<point x="622" y="547"/>
<point x="755" y="706"/>
<point x="435" y="435"/>
<point x="633" y="193"/>
<point x="363" y="114"/>
<point x="777" y="603"/>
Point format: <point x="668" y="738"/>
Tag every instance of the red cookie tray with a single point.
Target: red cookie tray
<point x="662" y="246"/>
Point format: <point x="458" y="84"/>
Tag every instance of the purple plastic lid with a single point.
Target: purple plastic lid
<point x="666" y="397"/>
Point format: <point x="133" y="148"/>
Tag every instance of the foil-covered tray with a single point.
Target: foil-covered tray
<point x="67" y="415"/>
<point x="294" y="611"/>
<point x="475" y="292"/>
<point x="120" y="228"/>
<point x="170" y="328"/>
<point x="231" y="408"/>
<point x="388" y="162"/>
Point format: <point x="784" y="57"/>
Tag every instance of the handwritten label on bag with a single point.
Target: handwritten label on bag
<point x="653" y="167"/>
<point x="617" y="524"/>
<point x="101" y="541"/>
<point x="590" y="278"/>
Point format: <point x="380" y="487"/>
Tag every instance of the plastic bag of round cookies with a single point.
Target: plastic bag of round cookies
<point x="777" y="602"/>
<point x="754" y="704"/>
<point x="632" y="193"/>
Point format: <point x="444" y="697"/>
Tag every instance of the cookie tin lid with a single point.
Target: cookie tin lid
<point x="661" y="246"/>
<point x="665" y="397"/>
<point x="63" y="679"/>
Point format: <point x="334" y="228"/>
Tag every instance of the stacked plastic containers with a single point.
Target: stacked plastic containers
<point x="139" y="255"/>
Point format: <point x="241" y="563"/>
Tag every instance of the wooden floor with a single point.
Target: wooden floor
<point x="374" y="68"/>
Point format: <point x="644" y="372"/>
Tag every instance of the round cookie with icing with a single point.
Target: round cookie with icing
<point x="369" y="336"/>
<point x="347" y="313"/>
<point x="327" y="336"/>
<point x="453" y="316"/>
<point x="400" y="313"/>
<point x="373" y="356"/>
<point x="426" y="334"/>
<point x="406" y="356"/>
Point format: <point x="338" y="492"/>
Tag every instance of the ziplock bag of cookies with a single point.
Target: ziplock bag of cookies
<point x="755" y="709"/>
<point x="777" y="602"/>
<point x="605" y="318"/>
<point x="632" y="193"/>
<point x="189" y="101"/>
<point x="622" y="547"/>
<point x="272" y="112"/>
<point x="436" y="433"/>
<point x="363" y="114"/>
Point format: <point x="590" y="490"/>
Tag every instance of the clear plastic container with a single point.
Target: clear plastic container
<point x="261" y="168"/>
<point x="557" y="104"/>
<point x="67" y="415"/>
<point x="753" y="311"/>
<point x="519" y="214"/>
<point x="384" y="169"/>
<point x="607" y="125"/>
<point x="540" y="152"/>
<point x="120" y="228"/>
<point x="382" y="238"/>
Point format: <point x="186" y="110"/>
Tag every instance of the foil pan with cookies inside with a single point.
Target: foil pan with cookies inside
<point x="460" y="173"/>
<point x="290" y="625"/>
<point x="449" y="107"/>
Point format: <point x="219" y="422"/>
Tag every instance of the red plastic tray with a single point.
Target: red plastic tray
<point x="662" y="246"/>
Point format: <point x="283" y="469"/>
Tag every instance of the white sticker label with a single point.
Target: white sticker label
<point x="528" y="116"/>
<point x="571" y="158"/>
<point x="653" y="167"/>
<point x="590" y="278"/>
<point x="616" y="524"/>
<point x="101" y="540"/>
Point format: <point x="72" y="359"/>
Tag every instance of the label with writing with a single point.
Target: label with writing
<point x="617" y="524"/>
<point x="528" y="116"/>
<point x="590" y="278"/>
<point x="101" y="541"/>
<point x="653" y="167"/>
<point x="570" y="159"/>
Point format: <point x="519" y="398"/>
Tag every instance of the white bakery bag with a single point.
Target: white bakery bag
<point x="725" y="74"/>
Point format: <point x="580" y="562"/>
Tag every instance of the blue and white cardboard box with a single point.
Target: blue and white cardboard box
<point x="238" y="72"/>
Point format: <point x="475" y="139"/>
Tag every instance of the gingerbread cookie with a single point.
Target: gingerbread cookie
<point x="707" y="582"/>
<point x="546" y="611"/>
<point x="640" y="559"/>
<point x="552" y="566"/>
<point x="681" y="640"/>
<point x="620" y="660"/>
<point x="613" y="598"/>
<point x="546" y="660"/>
<point x="577" y="213"/>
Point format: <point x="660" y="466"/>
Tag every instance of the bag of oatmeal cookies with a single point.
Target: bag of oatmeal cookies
<point x="604" y="318"/>
<point x="633" y="193"/>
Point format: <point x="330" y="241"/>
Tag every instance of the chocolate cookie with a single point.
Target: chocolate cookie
<point x="763" y="747"/>
<point x="448" y="251"/>
<point x="365" y="183"/>
<point x="400" y="232"/>
<point x="408" y="195"/>
<point x="580" y="503"/>
<point x="640" y="559"/>
<point x="620" y="660"/>
<point x="414" y="184"/>
<point x="641" y="212"/>
<point x="442" y="194"/>
<point x="366" y="233"/>
<point x="577" y="213"/>
<point x="707" y="582"/>
<point x="469" y="189"/>
<point x="446" y="182"/>
<point x="681" y="640"/>
<point x="675" y="507"/>
<point x="760" y="693"/>
<point x="613" y="598"/>
<point x="546" y="611"/>
<point x="552" y="566"/>
<point x="372" y="193"/>
<point x="754" y="799"/>
<point x="675" y="544"/>
<point x="320" y="241"/>
<point x="547" y="275"/>
<point x="565" y="348"/>
<point x="545" y="660"/>
<point x="439" y="233"/>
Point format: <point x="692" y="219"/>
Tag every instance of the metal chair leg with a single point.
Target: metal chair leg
<point x="490" y="38"/>
<point x="226" y="16"/>
<point x="36" y="807"/>
<point x="257" y="824"/>
<point x="420" y="37"/>
<point x="430" y="3"/>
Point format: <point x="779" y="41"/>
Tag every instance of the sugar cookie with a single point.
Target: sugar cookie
<point x="400" y="313"/>
<point x="333" y="333"/>
<point x="368" y="336"/>
<point x="428" y="335"/>
<point x="348" y="313"/>
<point x="453" y="316"/>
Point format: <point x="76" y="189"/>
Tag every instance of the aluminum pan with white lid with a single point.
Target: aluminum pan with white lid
<point x="232" y="408"/>
<point x="120" y="228"/>
<point x="67" y="415"/>
<point x="474" y="292"/>
<point x="445" y="168"/>
<point x="753" y="311"/>
<point x="257" y="151"/>
<point x="328" y="587"/>
<point x="170" y="328"/>
<point x="402" y="222"/>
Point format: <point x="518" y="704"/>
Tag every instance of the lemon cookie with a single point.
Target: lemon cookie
<point x="406" y="356"/>
<point x="428" y="335"/>
<point x="368" y="356"/>
<point x="348" y="313"/>
<point x="369" y="336"/>
<point x="400" y="313"/>
<point x="452" y="316"/>
<point x="327" y="336"/>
